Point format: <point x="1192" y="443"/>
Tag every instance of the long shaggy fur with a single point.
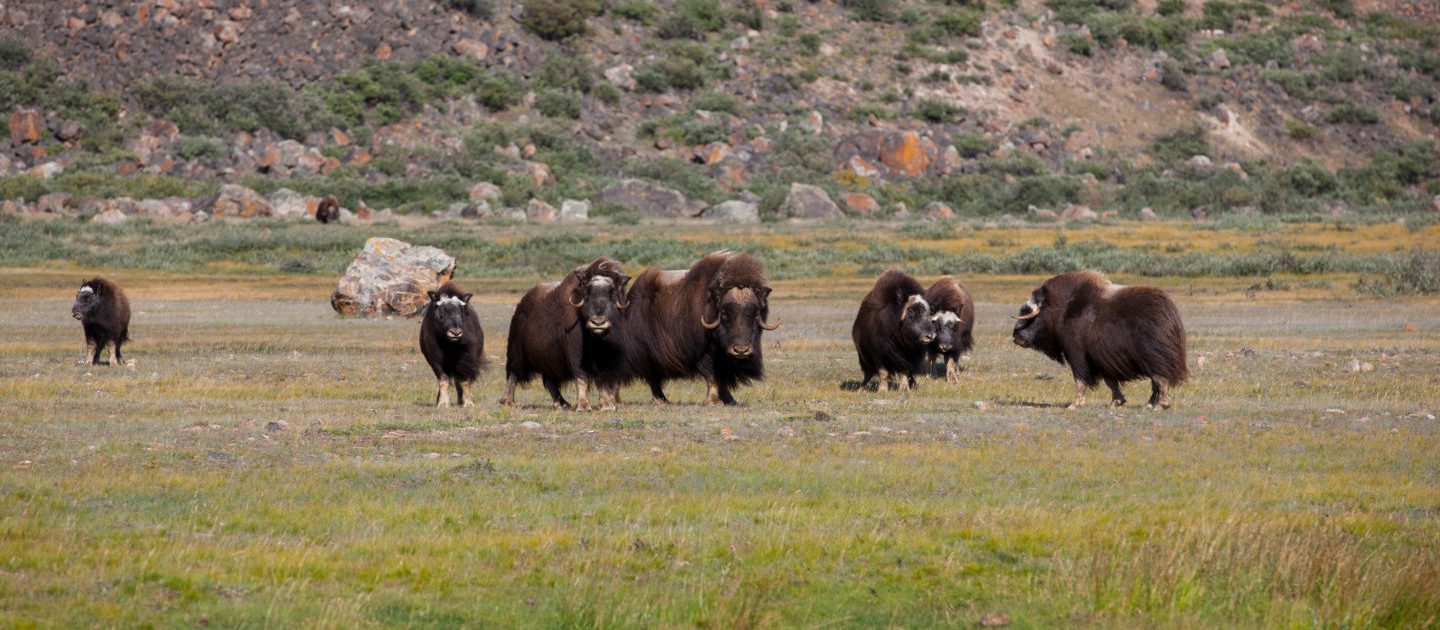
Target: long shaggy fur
<point x="548" y="339"/>
<point x="947" y="294"/>
<point x="878" y="332"/>
<point x="108" y="320"/>
<point x="462" y="361"/>
<point x="1108" y="332"/>
<point x="665" y="338"/>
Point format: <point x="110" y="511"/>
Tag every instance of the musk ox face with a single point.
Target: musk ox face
<point x="87" y="300"/>
<point x="598" y="300"/>
<point x="740" y="314"/>
<point x="1028" y="325"/>
<point x="449" y="310"/>
<point x="916" y="323"/>
<point x="947" y="330"/>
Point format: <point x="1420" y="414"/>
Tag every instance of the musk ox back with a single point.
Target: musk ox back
<point x="704" y="322"/>
<point x="571" y="330"/>
<point x="893" y="330"/>
<point x="453" y="343"/>
<point x="1106" y="332"/>
<point x="104" y="314"/>
<point x="954" y="313"/>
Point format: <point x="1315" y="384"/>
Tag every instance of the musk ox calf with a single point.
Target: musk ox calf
<point x="104" y="313"/>
<point x="954" y="313"/>
<point x="704" y="322"/>
<point x="893" y="330"/>
<point x="1108" y="332"/>
<point x="570" y="330"/>
<point x="453" y="343"/>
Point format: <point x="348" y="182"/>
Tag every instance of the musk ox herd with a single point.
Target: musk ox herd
<point x="597" y="329"/>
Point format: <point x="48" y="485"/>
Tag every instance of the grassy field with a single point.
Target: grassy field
<point x="265" y="463"/>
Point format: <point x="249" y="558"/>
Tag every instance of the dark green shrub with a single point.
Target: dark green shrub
<point x="606" y="92"/>
<point x="715" y="102"/>
<point x="1352" y="113"/>
<point x="809" y="43"/>
<point x="558" y="103"/>
<point x="1170" y="7"/>
<point x="1079" y="44"/>
<point x="697" y="132"/>
<point x="693" y="19"/>
<point x="1299" y="84"/>
<point x="973" y="144"/>
<point x="499" y="91"/>
<point x="680" y="68"/>
<point x="23" y="187"/>
<point x="14" y="54"/>
<point x="937" y="111"/>
<point x="1300" y="131"/>
<point x="636" y="10"/>
<point x="558" y="20"/>
<point x="477" y="8"/>
<point x="192" y="147"/>
<point x="566" y="72"/>
<point x="958" y="24"/>
<point x="1172" y="76"/>
<point x="869" y="10"/>
<point x="1180" y="145"/>
<point x="198" y="108"/>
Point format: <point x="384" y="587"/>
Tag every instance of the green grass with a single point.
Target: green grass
<point x="156" y="496"/>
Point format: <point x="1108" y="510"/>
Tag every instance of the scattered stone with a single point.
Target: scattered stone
<point x="1367" y="367"/>
<point x="276" y="426"/>
<point x="572" y="210"/>
<point x="1199" y="161"/>
<point x="110" y="217"/>
<point x="485" y="190"/>
<point x="650" y="199"/>
<point x="813" y="123"/>
<point x="861" y="203"/>
<point x="1353" y="366"/>
<point x="46" y="170"/>
<point x="1218" y="60"/>
<point x="389" y="276"/>
<point x="234" y="200"/>
<point x="1247" y="351"/>
<point x="994" y="620"/>
<point x="1042" y="214"/>
<point x="937" y="210"/>
<point x="531" y="425"/>
<point x="620" y="76"/>
<point x="1435" y="204"/>
<point x="286" y="203"/>
<point x="26" y="125"/>
<point x="537" y="211"/>
<point x="471" y="48"/>
<point x="900" y="210"/>
<point x="809" y="202"/>
<point x="981" y="405"/>
<point x="1146" y="214"/>
<point x="736" y="210"/>
<point x="1077" y="212"/>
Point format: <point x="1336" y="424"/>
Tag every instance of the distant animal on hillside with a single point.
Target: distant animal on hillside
<point x="453" y="343"/>
<point x="706" y="321"/>
<point x="954" y="313"/>
<point x="1108" y="332"/>
<point x="104" y="313"/>
<point x="328" y="210"/>
<point x="570" y="330"/>
<point x="893" y="330"/>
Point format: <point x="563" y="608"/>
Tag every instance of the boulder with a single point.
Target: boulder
<point x="55" y="202"/>
<point x="288" y="204"/>
<point x="484" y="190"/>
<point x="46" y="170"/>
<point x="391" y="277"/>
<point x="861" y="203"/>
<point x="1077" y="212"/>
<point x="234" y="200"/>
<point x="572" y="210"/>
<point x="737" y="210"/>
<point x="26" y="125"/>
<point x="809" y="202"/>
<point x="1042" y="214"/>
<point x="938" y="210"/>
<point x="1146" y="214"/>
<point x="887" y="154"/>
<point x="538" y="211"/>
<point x="650" y="199"/>
<point x="110" y="217"/>
<point x="620" y="76"/>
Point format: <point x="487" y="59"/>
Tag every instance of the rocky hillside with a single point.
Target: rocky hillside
<point x="740" y="110"/>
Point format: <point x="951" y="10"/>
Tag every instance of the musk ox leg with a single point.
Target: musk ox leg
<point x="582" y="394"/>
<point x="657" y="392"/>
<point x="95" y="356"/>
<point x="466" y="394"/>
<point x="553" y="386"/>
<point x="89" y="351"/>
<point x="508" y="400"/>
<point x="952" y="369"/>
<point x="115" y="355"/>
<point x="882" y="381"/>
<point x="1159" y="393"/>
<point x="726" y="397"/>
<point x="714" y="397"/>
<point x="442" y="392"/>
<point x="609" y="397"/>
<point x="1117" y="398"/>
<point x="907" y="382"/>
<point x="1080" y="389"/>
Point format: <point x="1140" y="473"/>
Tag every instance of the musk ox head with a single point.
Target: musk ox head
<point x="1029" y="328"/>
<point x="736" y="315"/>
<point x="599" y="295"/>
<point x="917" y="325"/>
<point x="449" y="310"/>
<point x="87" y="300"/>
<point x="947" y="330"/>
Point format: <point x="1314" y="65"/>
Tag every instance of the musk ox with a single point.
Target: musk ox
<point x="1108" y="332"/>
<point x="453" y="343"/>
<point x="893" y="330"/>
<point x="104" y="313"/>
<point x="570" y="330"/>
<point x="704" y="322"/>
<point x="954" y="313"/>
<point x="328" y="210"/>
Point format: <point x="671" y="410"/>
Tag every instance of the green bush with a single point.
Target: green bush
<point x="1180" y="145"/>
<point x="198" y="108"/>
<point x="558" y="20"/>
<point x="1352" y="113"/>
<point x="715" y="102"/>
<point x="680" y="68"/>
<point x="566" y="72"/>
<point x="809" y="44"/>
<point x="1170" y="7"/>
<point x="1300" y="131"/>
<point x="697" y="132"/>
<point x="1172" y="76"/>
<point x="499" y="91"/>
<point x="1299" y="84"/>
<point x="607" y="93"/>
<point x="693" y="19"/>
<point x="558" y="103"/>
<point x="477" y="8"/>
<point x="1219" y="15"/>
<point x="973" y="144"/>
<point x="937" y="111"/>
<point x="1346" y="65"/>
<point x="14" y="54"/>
<point x="868" y="10"/>
<point x="23" y="187"/>
<point x="637" y="10"/>
<point x="958" y="24"/>
<point x="192" y="147"/>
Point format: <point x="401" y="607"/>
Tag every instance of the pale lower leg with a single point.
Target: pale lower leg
<point x="1080" y="389"/>
<point x="442" y="393"/>
<point x="582" y="393"/>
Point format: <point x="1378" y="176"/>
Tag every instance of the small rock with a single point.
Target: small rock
<point x="994" y="620"/>
<point x="1353" y="366"/>
<point x="736" y="210"/>
<point x="109" y="217"/>
<point x="1146" y="214"/>
<point x="1367" y="367"/>
<point x="861" y="203"/>
<point x="538" y="211"/>
<point x="531" y="425"/>
<point x="276" y="426"/>
<point x="572" y="210"/>
<point x="1077" y="212"/>
<point x="937" y="210"/>
<point x="981" y="405"/>
<point x="485" y="190"/>
<point x="1199" y="161"/>
<point x="1218" y="60"/>
<point x="809" y="202"/>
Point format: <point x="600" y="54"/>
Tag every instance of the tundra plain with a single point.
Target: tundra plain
<point x="265" y="463"/>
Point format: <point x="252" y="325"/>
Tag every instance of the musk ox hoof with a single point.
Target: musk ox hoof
<point x="607" y="407"/>
<point x="506" y="402"/>
<point x="468" y="404"/>
<point x="584" y="407"/>
<point x="444" y="404"/>
<point x="1118" y="402"/>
